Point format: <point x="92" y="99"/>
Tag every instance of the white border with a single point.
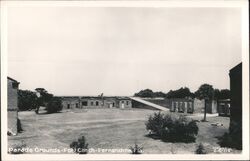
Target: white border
<point x="243" y="4"/>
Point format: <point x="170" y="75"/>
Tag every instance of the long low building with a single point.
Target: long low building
<point x="186" y="105"/>
<point x="96" y="102"/>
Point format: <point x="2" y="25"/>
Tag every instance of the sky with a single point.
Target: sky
<point x="73" y="51"/>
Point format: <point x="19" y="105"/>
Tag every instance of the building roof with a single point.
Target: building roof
<point x="236" y="69"/>
<point x="96" y="97"/>
<point x="123" y="98"/>
<point x="13" y="80"/>
<point x="224" y="100"/>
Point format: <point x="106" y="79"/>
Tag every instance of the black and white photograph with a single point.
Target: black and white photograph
<point x="124" y="79"/>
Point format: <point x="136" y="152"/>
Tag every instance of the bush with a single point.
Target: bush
<point x="55" y="105"/>
<point x="172" y="129"/>
<point x="158" y="122"/>
<point x="136" y="149"/>
<point x="80" y="146"/>
<point x="200" y="149"/>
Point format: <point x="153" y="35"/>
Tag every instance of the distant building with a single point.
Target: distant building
<point x="199" y="105"/>
<point x="182" y="105"/>
<point x="188" y="105"/>
<point x="70" y="102"/>
<point x="12" y="105"/>
<point x="224" y="107"/>
<point x="123" y="102"/>
<point x="90" y="102"/>
<point x="211" y="106"/>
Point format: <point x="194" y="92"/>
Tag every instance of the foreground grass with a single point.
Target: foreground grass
<point x="108" y="129"/>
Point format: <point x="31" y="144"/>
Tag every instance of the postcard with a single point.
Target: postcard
<point x="125" y="80"/>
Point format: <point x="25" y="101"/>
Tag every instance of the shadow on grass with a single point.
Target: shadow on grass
<point x="172" y="140"/>
<point x="153" y="136"/>
<point x="46" y="113"/>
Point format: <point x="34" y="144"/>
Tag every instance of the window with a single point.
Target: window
<point x="92" y="103"/>
<point x="84" y="103"/>
<point x="97" y="103"/>
<point x="76" y="105"/>
<point x="68" y="106"/>
<point x="122" y="101"/>
<point x="127" y="102"/>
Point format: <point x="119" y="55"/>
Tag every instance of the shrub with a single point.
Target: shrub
<point x="80" y="146"/>
<point x="172" y="129"/>
<point x="136" y="149"/>
<point x="157" y="123"/>
<point x="200" y="149"/>
<point x="54" y="105"/>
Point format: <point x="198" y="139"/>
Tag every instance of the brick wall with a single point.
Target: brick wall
<point x="12" y="106"/>
<point x="95" y="102"/>
<point x="199" y="105"/>
<point x="181" y="105"/>
<point x="124" y="103"/>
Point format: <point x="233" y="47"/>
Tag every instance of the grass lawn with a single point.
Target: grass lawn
<point x="108" y="129"/>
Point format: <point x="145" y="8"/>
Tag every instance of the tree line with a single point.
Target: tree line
<point x="205" y="91"/>
<point x="29" y="100"/>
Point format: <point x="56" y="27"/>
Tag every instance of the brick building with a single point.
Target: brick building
<point x="188" y="105"/>
<point x="12" y="105"/>
<point x="236" y="93"/>
<point x="90" y="102"/>
<point x="123" y="102"/>
<point x="182" y="105"/>
<point x="235" y="128"/>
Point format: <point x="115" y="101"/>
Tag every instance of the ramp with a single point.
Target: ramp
<point x="158" y="107"/>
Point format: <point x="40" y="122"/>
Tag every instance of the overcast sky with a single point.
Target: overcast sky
<point x="119" y="51"/>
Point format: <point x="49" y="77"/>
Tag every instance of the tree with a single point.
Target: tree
<point x="159" y="94"/>
<point x="225" y="94"/>
<point x="54" y="105"/>
<point x="180" y="93"/>
<point x="27" y="100"/>
<point x="41" y="90"/>
<point x="43" y="97"/>
<point x="205" y="92"/>
<point x="216" y="94"/>
<point x="145" y="93"/>
<point x="221" y="94"/>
